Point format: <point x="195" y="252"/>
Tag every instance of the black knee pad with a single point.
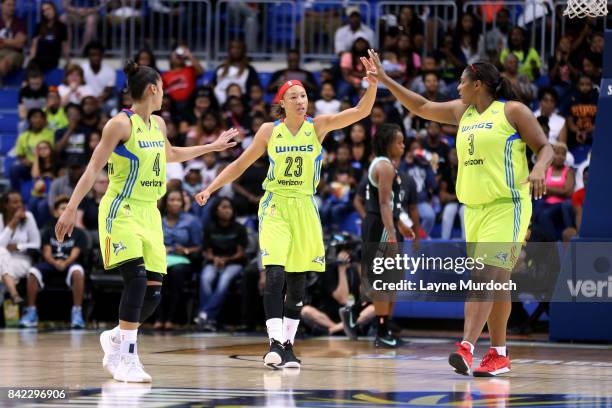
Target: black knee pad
<point x="152" y="298"/>
<point x="135" y="285"/>
<point x="273" y="291"/>
<point x="296" y="292"/>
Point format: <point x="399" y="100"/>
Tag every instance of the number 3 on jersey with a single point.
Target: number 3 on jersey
<point x="156" y="168"/>
<point x="290" y="161"/>
<point x="471" y="142"/>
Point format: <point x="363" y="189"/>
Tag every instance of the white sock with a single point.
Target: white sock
<point x="275" y="329"/>
<point x="500" y="350"/>
<point x="290" y="327"/>
<point x="77" y="307"/>
<point x="128" y="341"/>
<point x="115" y="335"/>
<point x="469" y="344"/>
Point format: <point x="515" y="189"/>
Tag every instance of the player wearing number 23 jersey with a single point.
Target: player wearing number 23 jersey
<point x="289" y="225"/>
<point x="128" y="218"/>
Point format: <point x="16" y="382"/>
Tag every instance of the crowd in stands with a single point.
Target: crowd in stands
<point x="213" y="245"/>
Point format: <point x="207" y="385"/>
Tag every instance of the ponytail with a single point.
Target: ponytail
<point x="504" y="90"/>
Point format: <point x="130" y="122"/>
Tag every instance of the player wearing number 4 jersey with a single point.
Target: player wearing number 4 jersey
<point x="290" y="234"/>
<point x="494" y="184"/>
<point x="135" y="146"/>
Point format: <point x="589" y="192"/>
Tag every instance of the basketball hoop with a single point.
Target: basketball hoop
<point x="586" y="8"/>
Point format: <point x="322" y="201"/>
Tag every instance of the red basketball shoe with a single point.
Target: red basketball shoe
<point x="492" y="364"/>
<point x="461" y="359"/>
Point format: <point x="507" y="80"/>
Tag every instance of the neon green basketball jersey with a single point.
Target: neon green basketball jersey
<point x="492" y="157"/>
<point x="137" y="168"/>
<point x="295" y="161"/>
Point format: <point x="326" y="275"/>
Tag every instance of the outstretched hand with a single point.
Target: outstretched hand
<point x="373" y="66"/>
<point x="370" y="71"/>
<point x="224" y="142"/>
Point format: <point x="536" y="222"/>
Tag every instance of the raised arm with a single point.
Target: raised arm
<point x="326" y="123"/>
<point x="175" y="154"/>
<point x="116" y="130"/>
<point x="523" y="120"/>
<point x="238" y="166"/>
<point x="443" y="112"/>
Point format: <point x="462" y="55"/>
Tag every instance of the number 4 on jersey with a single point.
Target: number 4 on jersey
<point x="156" y="168"/>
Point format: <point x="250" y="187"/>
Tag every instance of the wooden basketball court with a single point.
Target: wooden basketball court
<point x="227" y="371"/>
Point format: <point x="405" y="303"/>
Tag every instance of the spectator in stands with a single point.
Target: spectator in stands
<point x="99" y="76"/>
<point x="434" y="144"/>
<point x="548" y="108"/>
<point x="56" y="115"/>
<point x="82" y="12"/>
<point x="183" y="240"/>
<point x="422" y="173"/>
<point x="292" y="72"/>
<point x="580" y="122"/>
<point x="19" y="238"/>
<point x="225" y="242"/>
<point x="412" y="25"/>
<point x="339" y="187"/>
<point x="235" y="70"/>
<point x="74" y="89"/>
<point x="352" y="69"/>
<point x="495" y="39"/>
<point x="73" y="140"/>
<point x="377" y="118"/>
<point x="551" y="213"/>
<point x="45" y="168"/>
<point x="522" y="86"/>
<point x="26" y="145"/>
<point x="51" y="39"/>
<point x="593" y="49"/>
<point x="210" y="169"/>
<point x="61" y="260"/>
<point x="529" y="59"/>
<point x="418" y="82"/>
<point x="257" y="104"/>
<point x="145" y="57"/>
<point x="576" y="205"/>
<point x="65" y="184"/>
<point x="451" y="59"/>
<point x="407" y="55"/>
<point x="87" y="213"/>
<point x="591" y="70"/>
<point x="236" y="116"/>
<point x="207" y="129"/>
<point x="13" y="39"/>
<point x="431" y="80"/>
<point x="180" y="81"/>
<point x="248" y="12"/>
<point x="202" y="101"/>
<point x="247" y="188"/>
<point x="360" y="148"/>
<point x="328" y="103"/>
<point x="32" y="95"/>
<point x="345" y="36"/>
<point x="468" y="35"/>
<point x="124" y="101"/>
<point x="330" y="292"/>
<point x="560" y="66"/>
<point x="93" y="117"/>
<point x="448" y="197"/>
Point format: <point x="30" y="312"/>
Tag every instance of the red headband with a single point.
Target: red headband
<point x="284" y="88"/>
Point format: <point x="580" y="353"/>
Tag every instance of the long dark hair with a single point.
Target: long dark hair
<point x="242" y="64"/>
<point x="44" y="29"/>
<point x="473" y="35"/>
<point x="164" y="200"/>
<point x="139" y="77"/>
<point x="498" y="86"/>
<point x="385" y="134"/>
<point x="524" y="46"/>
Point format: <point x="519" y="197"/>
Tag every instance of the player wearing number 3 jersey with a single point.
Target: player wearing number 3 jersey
<point x="494" y="183"/>
<point x="135" y="147"/>
<point x="290" y="234"/>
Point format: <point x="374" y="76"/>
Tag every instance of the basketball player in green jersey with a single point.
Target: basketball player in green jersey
<point x="135" y="146"/>
<point x="494" y="184"/>
<point x="290" y="234"/>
